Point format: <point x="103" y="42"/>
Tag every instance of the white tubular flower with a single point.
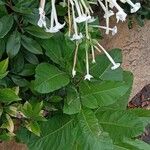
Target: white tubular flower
<point x="108" y="13"/>
<point x="114" y="29"/>
<point x="120" y="15"/>
<point x="115" y="65"/>
<point x="81" y="17"/>
<point x="75" y="60"/>
<point x="52" y="29"/>
<point x="135" y="7"/>
<point x="93" y="55"/>
<point x="87" y="76"/>
<point x="57" y="24"/>
<point x="42" y="21"/>
<point x="76" y="35"/>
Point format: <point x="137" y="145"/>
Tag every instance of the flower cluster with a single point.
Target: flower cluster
<point x="80" y="11"/>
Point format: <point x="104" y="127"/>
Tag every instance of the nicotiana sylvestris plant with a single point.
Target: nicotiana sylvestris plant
<point x="59" y="88"/>
<point x="81" y="12"/>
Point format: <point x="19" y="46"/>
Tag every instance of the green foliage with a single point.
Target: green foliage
<point x="52" y="110"/>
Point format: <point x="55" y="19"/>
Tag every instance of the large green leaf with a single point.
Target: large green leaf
<point x="8" y="95"/>
<point x="6" y="23"/>
<point x="91" y="135"/>
<point x="54" y="48"/>
<point x="13" y="44"/>
<point x="48" y="78"/>
<point x="31" y="45"/>
<point x="38" y="32"/>
<point x="56" y="134"/>
<point x="3" y="68"/>
<point x="130" y="144"/>
<point x="102" y="68"/>
<point x="72" y="103"/>
<point x="122" y="102"/>
<point x="119" y="123"/>
<point x="102" y="93"/>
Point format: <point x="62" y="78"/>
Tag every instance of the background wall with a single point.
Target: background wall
<point x="135" y="45"/>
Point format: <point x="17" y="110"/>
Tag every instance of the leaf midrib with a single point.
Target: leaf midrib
<point x="49" y="79"/>
<point x="57" y="130"/>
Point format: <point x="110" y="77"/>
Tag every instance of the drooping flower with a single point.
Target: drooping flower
<point x="135" y="7"/>
<point x="42" y="21"/>
<point x="87" y="76"/>
<point x="55" y="25"/>
<point x="114" y="29"/>
<point x="115" y="65"/>
<point x="76" y="35"/>
<point x="120" y="15"/>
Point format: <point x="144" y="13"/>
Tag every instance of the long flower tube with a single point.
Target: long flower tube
<point x="115" y="65"/>
<point x="114" y="29"/>
<point x="75" y="60"/>
<point x="42" y="21"/>
<point x="76" y="35"/>
<point x="82" y="17"/>
<point x="57" y="24"/>
<point x="87" y="76"/>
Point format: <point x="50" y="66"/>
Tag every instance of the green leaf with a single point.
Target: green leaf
<point x="9" y="124"/>
<point x="6" y="23"/>
<point x="119" y="123"/>
<point x="33" y="127"/>
<point x="28" y="70"/>
<point x="13" y="44"/>
<point x="2" y="47"/>
<point x="17" y="63"/>
<point x="38" y="32"/>
<point x="102" y="68"/>
<point x="130" y="144"/>
<point x="49" y="78"/>
<point x="3" y="68"/>
<point x="56" y="134"/>
<point x="122" y="102"/>
<point x="97" y="93"/>
<point x="72" y="103"/>
<point x="91" y="135"/>
<point x="31" y="45"/>
<point x="8" y="95"/>
<point x="31" y="58"/>
<point x="21" y="82"/>
<point x="54" y="47"/>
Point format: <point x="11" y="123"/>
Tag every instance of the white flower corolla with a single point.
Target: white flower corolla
<point x="52" y="29"/>
<point x="87" y="76"/>
<point x="73" y="73"/>
<point x="135" y="7"/>
<point x="42" y="21"/>
<point x="58" y="26"/>
<point x="121" y="15"/>
<point x="115" y="65"/>
<point x="81" y="17"/>
<point x="76" y="35"/>
<point x="92" y="19"/>
<point x="114" y="29"/>
<point x="108" y="13"/>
